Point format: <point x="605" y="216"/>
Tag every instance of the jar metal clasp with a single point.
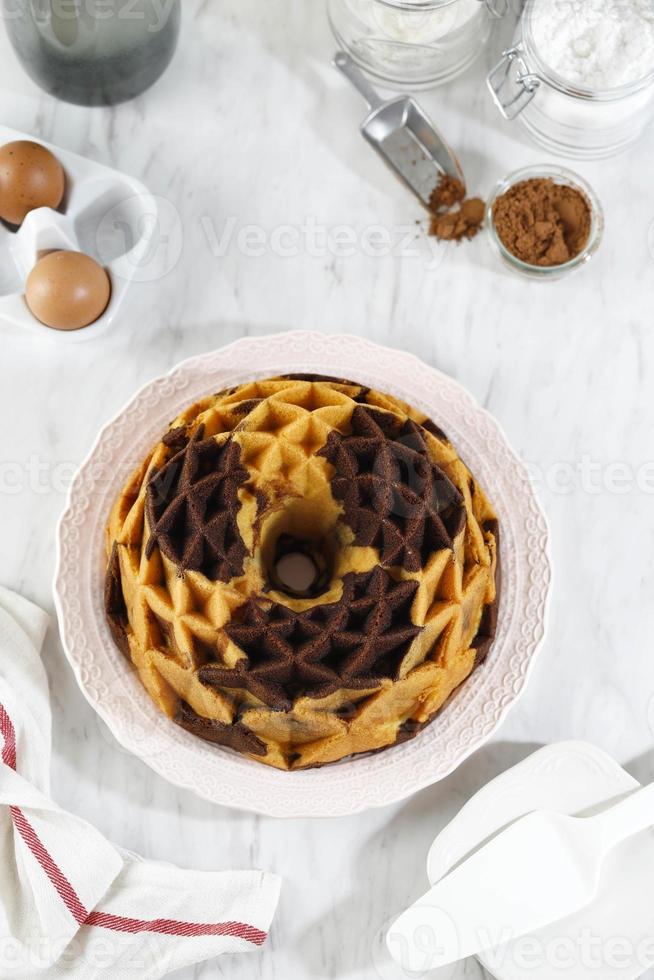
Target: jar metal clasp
<point x="498" y="8"/>
<point x="512" y="84"/>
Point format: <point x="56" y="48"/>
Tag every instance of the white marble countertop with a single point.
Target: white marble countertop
<point x="251" y="127"/>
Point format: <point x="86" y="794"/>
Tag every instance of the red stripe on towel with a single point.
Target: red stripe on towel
<point x="61" y="884"/>
<point x="70" y="898"/>
<point x="8" y="738"/>
<point x="171" y="927"/>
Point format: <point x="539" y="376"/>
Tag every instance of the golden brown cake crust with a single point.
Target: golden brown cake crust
<point x="403" y="606"/>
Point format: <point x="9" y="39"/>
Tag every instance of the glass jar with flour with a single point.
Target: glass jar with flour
<point x="414" y="43"/>
<point x="580" y="75"/>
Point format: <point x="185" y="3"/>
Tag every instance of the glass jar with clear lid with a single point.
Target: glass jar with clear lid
<point x="413" y="43"/>
<point x="569" y="119"/>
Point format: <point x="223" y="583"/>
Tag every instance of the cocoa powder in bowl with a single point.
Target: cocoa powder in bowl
<point x="542" y="222"/>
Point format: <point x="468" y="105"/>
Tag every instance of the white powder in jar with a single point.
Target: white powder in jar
<point x="595" y="44"/>
<point x="420" y="25"/>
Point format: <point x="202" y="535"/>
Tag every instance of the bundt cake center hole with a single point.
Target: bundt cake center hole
<point x="300" y="568"/>
<point x="297" y="572"/>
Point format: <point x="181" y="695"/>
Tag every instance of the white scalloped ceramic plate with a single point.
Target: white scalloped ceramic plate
<point x="217" y="774"/>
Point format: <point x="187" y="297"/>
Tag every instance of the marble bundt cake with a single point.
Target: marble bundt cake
<point x="302" y="570"/>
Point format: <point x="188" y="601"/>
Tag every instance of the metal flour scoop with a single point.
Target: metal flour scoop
<point x="403" y="136"/>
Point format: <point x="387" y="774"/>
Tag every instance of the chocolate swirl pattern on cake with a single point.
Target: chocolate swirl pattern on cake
<point x="395" y="499"/>
<point x="352" y="643"/>
<point x="192" y="505"/>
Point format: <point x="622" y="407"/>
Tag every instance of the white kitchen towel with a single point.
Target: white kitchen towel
<point x="72" y="905"/>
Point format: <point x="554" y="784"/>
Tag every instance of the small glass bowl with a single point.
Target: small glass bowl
<point x="560" y="176"/>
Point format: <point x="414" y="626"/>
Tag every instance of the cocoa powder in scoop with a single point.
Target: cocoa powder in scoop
<point x="543" y="223"/>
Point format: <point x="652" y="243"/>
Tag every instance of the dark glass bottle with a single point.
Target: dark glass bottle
<point x="94" y="52"/>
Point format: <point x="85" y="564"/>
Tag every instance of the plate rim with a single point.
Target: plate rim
<point x="292" y="809"/>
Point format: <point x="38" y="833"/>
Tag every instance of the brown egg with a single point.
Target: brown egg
<point x="30" y="177"/>
<point x="67" y="290"/>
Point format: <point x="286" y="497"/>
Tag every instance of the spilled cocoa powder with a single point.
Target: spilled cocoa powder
<point x="448" y="192"/>
<point x="453" y="216"/>
<point x="543" y="223"/>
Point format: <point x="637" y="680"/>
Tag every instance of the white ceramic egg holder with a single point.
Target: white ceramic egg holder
<point x="104" y="214"/>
